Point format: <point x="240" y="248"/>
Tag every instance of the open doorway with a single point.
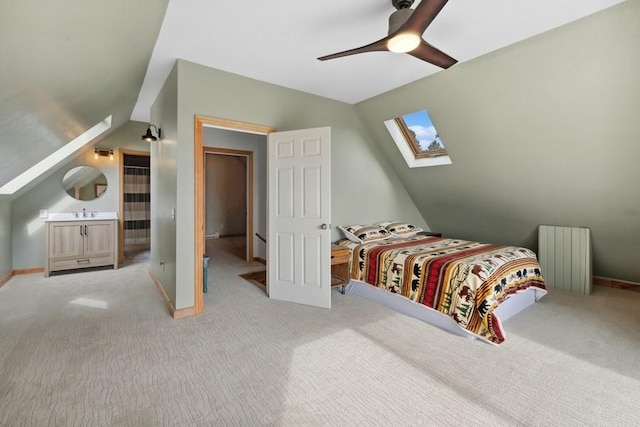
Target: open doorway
<point x="229" y="201"/>
<point x="135" y="206"/>
<point x="230" y="135"/>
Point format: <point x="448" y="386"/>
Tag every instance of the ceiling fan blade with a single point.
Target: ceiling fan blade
<point x="380" y="45"/>
<point x="428" y="53"/>
<point x="423" y="15"/>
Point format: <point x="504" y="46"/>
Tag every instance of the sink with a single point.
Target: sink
<point x="103" y="215"/>
<point x="71" y="216"/>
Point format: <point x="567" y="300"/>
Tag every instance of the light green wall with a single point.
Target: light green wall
<point x="28" y="228"/>
<point x="163" y="187"/>
<point x="66" y="68"/>
<point x="364" y="188"/>
<point x="6" y="258"/>
<point x="542" y="132"/>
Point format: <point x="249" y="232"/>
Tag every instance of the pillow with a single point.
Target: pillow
<point x="364" y="233"/>
<point x="399" y="228"/>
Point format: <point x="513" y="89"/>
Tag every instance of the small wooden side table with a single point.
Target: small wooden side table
<point x="340" y="266"/>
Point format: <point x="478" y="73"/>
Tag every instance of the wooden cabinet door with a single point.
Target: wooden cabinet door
<point x="66" y="240"/>
<point x="99" y="238"/>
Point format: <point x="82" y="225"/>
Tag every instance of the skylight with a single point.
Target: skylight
<point x="417" y="139"/>
<point x="56" y="157"/>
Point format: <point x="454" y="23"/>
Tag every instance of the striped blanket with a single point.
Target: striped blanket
<point x="462" y="279"/>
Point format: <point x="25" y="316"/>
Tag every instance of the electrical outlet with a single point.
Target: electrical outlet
<point x="44" y="213"/>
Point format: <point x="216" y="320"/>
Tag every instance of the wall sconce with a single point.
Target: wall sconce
<point x="149" y="137"/>
<point x="102" y="152"/>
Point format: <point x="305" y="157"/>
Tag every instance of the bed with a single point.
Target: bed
<point x="466" y="287"/>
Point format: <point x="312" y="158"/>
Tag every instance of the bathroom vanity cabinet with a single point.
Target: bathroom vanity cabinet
<point x="80" y="243"/>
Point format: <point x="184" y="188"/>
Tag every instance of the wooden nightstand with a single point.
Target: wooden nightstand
<point x="340" y="266"/>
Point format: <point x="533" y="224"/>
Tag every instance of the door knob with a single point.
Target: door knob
<point x="325" y="226"/>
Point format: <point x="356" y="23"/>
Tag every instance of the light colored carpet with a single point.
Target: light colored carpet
<point x="99" y="348"/>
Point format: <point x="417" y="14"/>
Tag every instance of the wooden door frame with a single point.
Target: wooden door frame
<point x="124" y="152"/>
<point x="248" y="190"/>
<point x="201" y="122"/>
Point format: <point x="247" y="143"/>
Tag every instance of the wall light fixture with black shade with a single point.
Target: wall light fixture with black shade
<point x="149" y="136"/>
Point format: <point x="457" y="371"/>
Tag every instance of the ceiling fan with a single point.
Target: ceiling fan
<point x="406" y="26"/>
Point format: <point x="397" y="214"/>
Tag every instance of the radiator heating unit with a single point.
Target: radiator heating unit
<point x="564" y="254"/>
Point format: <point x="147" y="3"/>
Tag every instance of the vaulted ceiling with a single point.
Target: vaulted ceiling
<point x="67" y="65"/>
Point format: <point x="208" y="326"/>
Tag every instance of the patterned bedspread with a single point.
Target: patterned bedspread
<point x="462" y="279"/>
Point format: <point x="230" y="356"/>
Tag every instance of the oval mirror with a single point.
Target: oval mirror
<point x="84" y="183"/>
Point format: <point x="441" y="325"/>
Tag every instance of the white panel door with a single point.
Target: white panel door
<point x="299" y="216"/>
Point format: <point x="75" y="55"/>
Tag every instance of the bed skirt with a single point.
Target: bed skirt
<point x="507" y="309"/>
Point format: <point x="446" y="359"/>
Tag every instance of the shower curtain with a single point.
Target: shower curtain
<point x="137" y="206"/>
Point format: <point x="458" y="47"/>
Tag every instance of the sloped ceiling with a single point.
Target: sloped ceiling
<point x="278" y="42"/>
<point x="68" y="64"/>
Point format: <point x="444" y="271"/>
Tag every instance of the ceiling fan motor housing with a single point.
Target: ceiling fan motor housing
<point x="398" y="18"/>
<point x="402" y="4"/>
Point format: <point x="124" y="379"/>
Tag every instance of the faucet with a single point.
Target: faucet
<point x="93" y="214"/>
<point x="84" y="213"/>
<point x="76" y="214"/>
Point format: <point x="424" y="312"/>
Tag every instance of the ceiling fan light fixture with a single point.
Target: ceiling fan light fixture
<point x="403" y="43"/>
